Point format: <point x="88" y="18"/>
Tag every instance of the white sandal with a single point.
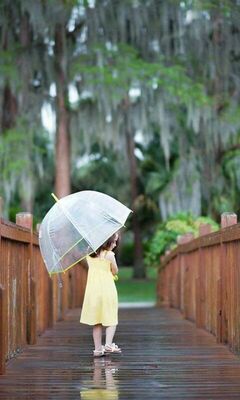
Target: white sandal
<point x="99" y="353"/>
<point x="112" y="348"/>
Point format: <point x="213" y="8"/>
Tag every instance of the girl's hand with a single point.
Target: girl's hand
<point x="111" y="257"/>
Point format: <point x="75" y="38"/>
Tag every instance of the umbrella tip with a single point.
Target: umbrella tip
<point x="55" y="197"/>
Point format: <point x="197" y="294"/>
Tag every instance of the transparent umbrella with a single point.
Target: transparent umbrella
<point x="76" y="226"/>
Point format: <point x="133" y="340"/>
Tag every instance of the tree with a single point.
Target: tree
<point x="20" y="107"/>
<point x="62" y="178"/>
<point x="122" y="69"/>
<point x="165" y="34"/>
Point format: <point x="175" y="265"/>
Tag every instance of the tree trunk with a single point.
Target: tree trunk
<point x="139" y="270"/>
<point x="62" y="149"/>
<point x="9" y="102"/>
<point x="24" y="101"/>
<point x="9" y="108"/>
<point x="62" y="160"/>
<point x="24" y="63"/>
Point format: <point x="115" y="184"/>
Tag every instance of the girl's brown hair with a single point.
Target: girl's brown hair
<point x="106" y="245"/>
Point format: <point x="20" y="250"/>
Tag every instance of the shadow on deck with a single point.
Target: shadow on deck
<point x="164" y="357"/>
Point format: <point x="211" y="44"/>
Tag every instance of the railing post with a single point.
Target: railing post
<point x="200" y="291"/>
<point x="186" y="238"/>
<point x="227" y="219"/>
<point x="25" y="220"/>
<point x="204" y="229"/>
<point x="50" y="305"/>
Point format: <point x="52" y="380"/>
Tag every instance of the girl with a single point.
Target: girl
<point x="100" y="305"/>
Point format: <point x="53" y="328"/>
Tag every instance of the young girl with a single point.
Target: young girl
<point x="100" y="305"/>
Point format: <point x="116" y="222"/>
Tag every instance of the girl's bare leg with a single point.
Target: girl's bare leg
<point x="110" y="332"/>
<point x="97" y="336"/>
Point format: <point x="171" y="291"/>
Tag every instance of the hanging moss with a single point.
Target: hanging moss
<point x="115" y="47"/>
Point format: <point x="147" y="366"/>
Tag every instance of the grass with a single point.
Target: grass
<point x="136" y="290"/>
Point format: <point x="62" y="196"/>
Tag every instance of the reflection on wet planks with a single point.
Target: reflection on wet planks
<point x="164" y="357"/>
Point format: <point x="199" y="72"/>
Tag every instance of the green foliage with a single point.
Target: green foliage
<point x="220" y="6"/>
<point x="8" y="64"/>
<point x="231" y="116"/>
<point x="122" y="65"/>
<point x="25" y="163"/>
<point x="167" y="232"/>
<point x="180" y="76"/>
<point x="11" y="146"/>
<point x="70" y="3"/>
<point x="230" y="166"/>
<point x="101" y="172"/>
<point x="146" y="209"/>
<point x="154" y="171"/>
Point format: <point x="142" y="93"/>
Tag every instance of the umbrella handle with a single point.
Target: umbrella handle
<point x="55" y="197"/>
<point x="60" y="282"/>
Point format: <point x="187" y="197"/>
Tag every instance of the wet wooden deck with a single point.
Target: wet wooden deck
<point x="164" y="357"/>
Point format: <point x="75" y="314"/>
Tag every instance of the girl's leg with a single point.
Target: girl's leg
<point x="111" y="347"/>
<point x="110" y="332"/>
<point x="97" y="336"/>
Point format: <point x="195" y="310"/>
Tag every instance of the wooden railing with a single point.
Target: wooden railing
<point x="30" y="301"/>
<point x="201" y="277"/>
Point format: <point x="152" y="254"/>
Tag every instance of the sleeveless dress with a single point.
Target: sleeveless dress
<point x="100" y="304"/>
<point x="99" y="394"/>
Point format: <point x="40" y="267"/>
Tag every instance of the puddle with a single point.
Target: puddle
<point x="103" y="384"/>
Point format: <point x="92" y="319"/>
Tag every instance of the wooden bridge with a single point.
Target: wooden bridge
<point x="164" y="357"/>
<point x="186" y="348"/>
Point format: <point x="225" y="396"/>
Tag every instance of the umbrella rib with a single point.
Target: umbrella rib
<point x="75" y="226"/>
<point x="70" y="248"/>
<point x="53" y="249"/>
<point x="70" y="219"/>
<point x="75" y="245"/>
<point x="72" y="265"/>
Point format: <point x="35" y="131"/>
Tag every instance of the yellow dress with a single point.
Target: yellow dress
<point x="99" y="394"/>
<point x="100" y="304"/>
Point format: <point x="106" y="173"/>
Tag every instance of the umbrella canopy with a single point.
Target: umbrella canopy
<point x="77" y="225"/>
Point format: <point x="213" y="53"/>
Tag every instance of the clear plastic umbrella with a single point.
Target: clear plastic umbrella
<point x="76" y="226"/>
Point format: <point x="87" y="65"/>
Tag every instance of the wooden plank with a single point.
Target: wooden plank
<point x="31" y="317"/>
<point x="2" y="305"/>
<point x="2" y="330"/>
<point x="212" y="239"/>
<point x="31" y="302"/>
<point x="165" y="358"/>
<point x="15" y="233"/>
<point x="228" y="234"/>
<point x="35" y="239"/>
<point x="219" y="335"/>
<point x="231" y="233"/>
<point x="50" y="304"/>
<point x="198" y="302"/>
<point x="193" y="245"/>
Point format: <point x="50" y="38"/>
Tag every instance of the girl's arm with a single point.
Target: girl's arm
<point x="111" y="257"/>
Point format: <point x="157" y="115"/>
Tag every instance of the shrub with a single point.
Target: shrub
<point x="165" y="236"/>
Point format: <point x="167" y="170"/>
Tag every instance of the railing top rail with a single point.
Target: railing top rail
<point x="12" y="231"/>
<point x="228" y="234"/>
